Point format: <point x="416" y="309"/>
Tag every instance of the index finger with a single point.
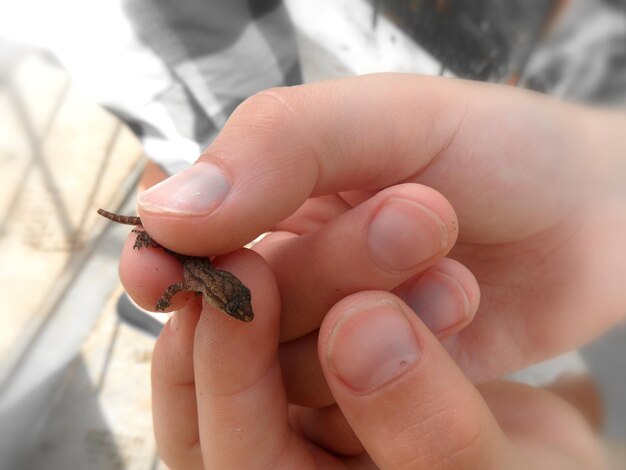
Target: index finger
<point x="361" y="133"/>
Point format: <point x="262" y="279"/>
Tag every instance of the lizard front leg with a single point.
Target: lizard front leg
<point x="166" y="299"/>
<point x="143" y="239"/>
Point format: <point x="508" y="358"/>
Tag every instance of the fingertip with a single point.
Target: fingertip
<point x="242" y="406"/>
<point x="147" y="272"/>
<point x="410" y="225"/>
<point x="385" y="368"/>
<point x="370" y="344"/>
<point x="260" y="336"/>
<point x="195" y="191"/>
<point x="445" y="297"/>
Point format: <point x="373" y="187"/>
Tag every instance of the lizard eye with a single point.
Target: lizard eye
<point x="233" y="307"/>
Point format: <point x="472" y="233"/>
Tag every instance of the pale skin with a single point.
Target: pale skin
<point x="515" y="210"/>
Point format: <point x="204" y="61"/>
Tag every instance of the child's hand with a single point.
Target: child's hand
<point x="219" y="399"/>
<point x="534" y="184"/>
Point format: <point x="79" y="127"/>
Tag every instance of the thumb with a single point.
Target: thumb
<point x="402" y="394"/>
<point x="285" y="145"/>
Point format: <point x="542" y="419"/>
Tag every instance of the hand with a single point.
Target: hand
<point x="529" y="237"/>
<point x="219" y="399"/>
<point x="533" y="182"/>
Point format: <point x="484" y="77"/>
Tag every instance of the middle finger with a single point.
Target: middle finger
<point x="379" y="244"/>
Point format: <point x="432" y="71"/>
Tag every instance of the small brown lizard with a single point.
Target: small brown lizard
<point x="220" y="288"/>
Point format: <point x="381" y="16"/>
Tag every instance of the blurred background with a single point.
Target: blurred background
<point x="97" y="98"/>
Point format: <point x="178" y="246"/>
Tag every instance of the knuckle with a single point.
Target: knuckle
<point x="448" y="438"/>
<point x="467" y="447"/>
<point x="269" y="110"/>
<point x="464" y="431"/>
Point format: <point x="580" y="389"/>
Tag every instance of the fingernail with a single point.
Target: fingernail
<point x="439" y="300"/>
<point x="404" y="234"/>
<point x="195" y="191"/>
<point x="371" y="347"/>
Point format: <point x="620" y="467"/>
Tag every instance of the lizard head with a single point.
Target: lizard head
<point x="239" y="306"/>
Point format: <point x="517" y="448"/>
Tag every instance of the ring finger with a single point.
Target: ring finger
<point x="445" y="297"/>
